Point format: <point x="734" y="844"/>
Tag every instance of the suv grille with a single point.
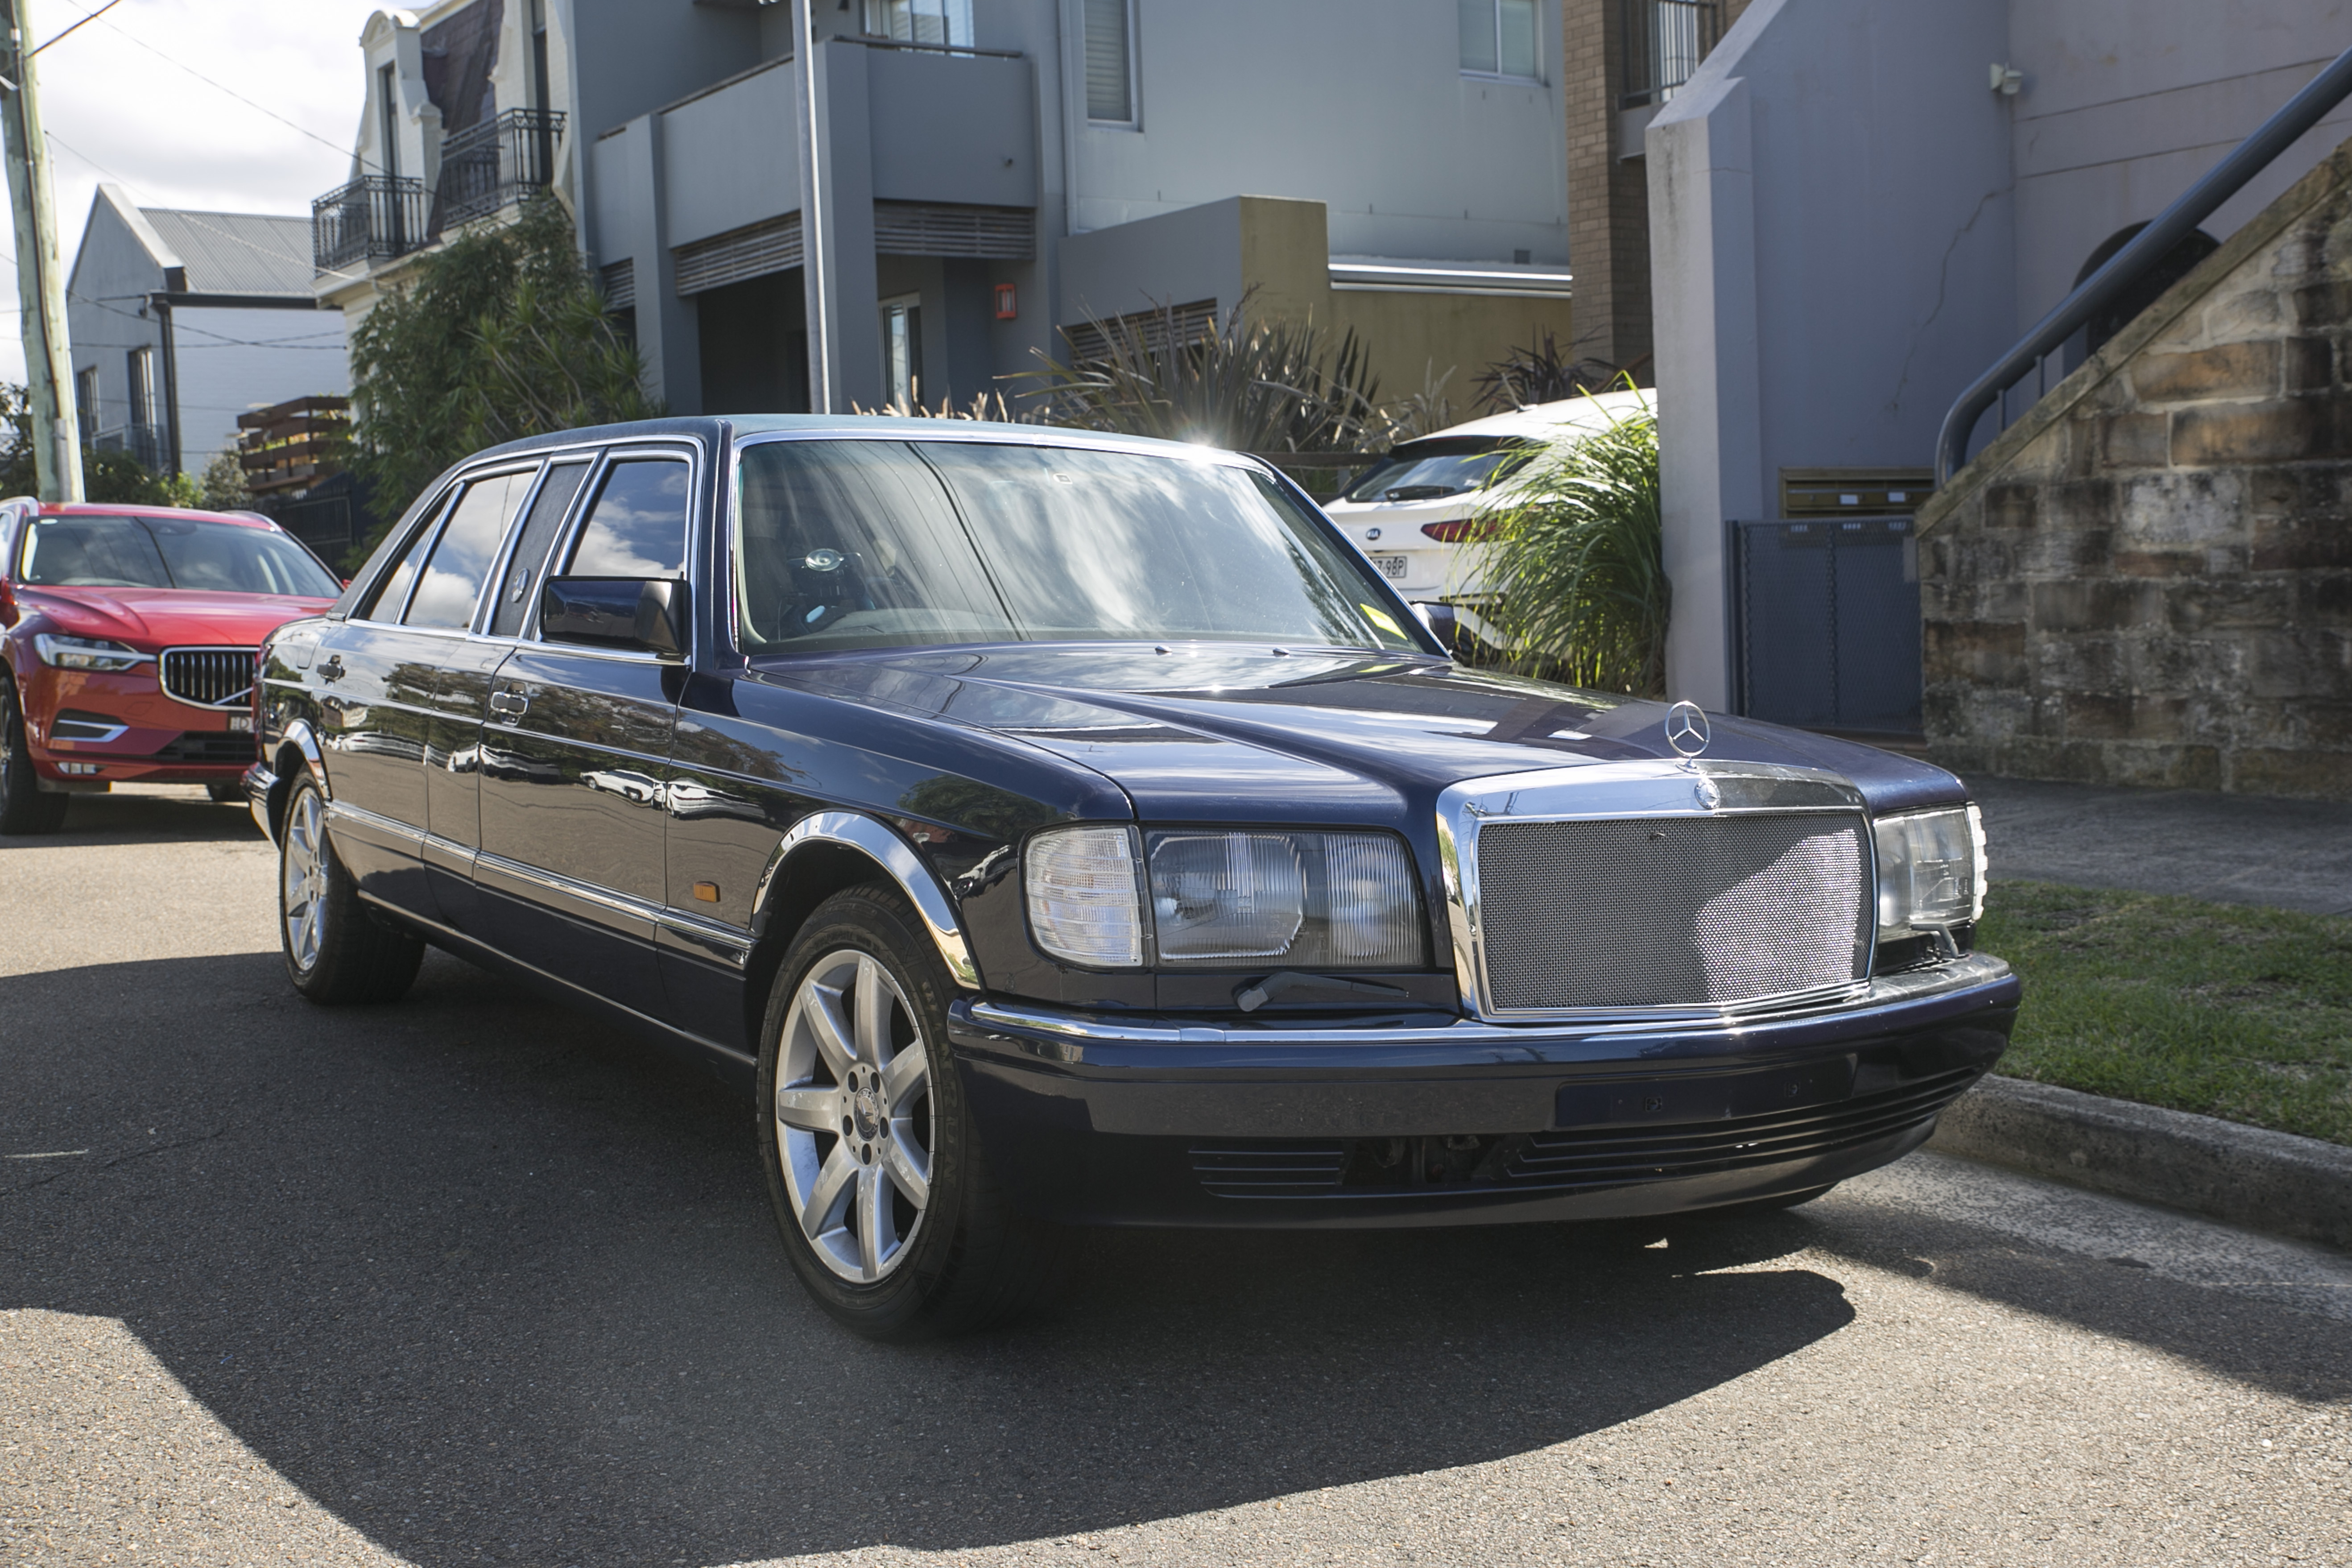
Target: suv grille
<point x="209" y="676"/>
<point x="1672" y="912"/>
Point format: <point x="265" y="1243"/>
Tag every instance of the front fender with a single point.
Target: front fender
<point x="896" y="856"/>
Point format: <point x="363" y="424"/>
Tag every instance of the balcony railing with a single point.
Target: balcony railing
<point x="494" y="164"/>
<point x="373" y="218"/>
<point x="1664" y="40"/>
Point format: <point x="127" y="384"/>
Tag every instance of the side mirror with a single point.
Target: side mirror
<point x="616" y="612"/>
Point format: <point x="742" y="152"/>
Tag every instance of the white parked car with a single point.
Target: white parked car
<point x="1413" y="514"/>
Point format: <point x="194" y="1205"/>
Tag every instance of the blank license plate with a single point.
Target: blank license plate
<point x="240" y="723"/>
<point x="1390" y="565"/>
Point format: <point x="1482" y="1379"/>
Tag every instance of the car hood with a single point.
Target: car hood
<point x="1204" y="731"/>
<point x="151" y="619"/>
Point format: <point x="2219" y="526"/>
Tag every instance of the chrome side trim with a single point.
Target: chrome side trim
<point x="728" y="945"/>
<point x="598" y="902"/>
<point x="305" y="739"/>
<point x="371" y="825"/>
<point x="1607" y="792"/>
<point x="1094" y="1028"/>
<point x="906" y="867"/>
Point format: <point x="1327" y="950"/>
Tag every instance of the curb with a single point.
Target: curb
<point x="2249" y="1177"/>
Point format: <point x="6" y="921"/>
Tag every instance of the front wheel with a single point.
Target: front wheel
<point x="336" y="949"/>
<point x="24" y="806"/>
<point x="881" y="1187"/>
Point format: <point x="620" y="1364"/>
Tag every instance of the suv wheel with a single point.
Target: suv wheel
<point x="24" y="806"/>
<point x="336" y="949"/>
<point x="880" y="1186"/>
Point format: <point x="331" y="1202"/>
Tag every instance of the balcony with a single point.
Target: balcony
<point x="487" y="167"/>
<point x="373" y="218"/>
<point x="1665" y="41"/>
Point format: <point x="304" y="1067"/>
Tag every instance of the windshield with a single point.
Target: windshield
<point x="91" y="551"/>
<point x="895" y="543"/>
<point x="1425" y="470"/>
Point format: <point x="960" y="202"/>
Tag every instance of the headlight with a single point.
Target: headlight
<point x="1931" y="871"/>
<point x="1227" y="898"/>
<point x="86" y="653"/>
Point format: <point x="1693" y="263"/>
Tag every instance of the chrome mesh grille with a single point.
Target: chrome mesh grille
<point x="209" y="676"/>
<point x="1671" y="912"/>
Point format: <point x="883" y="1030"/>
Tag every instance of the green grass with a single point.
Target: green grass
<point x="2232" y="1012"/>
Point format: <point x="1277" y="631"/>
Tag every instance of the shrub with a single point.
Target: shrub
<point x="1577" y="563"/>
<point x="502" y="335"/>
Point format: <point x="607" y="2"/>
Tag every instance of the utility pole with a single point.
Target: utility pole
<point x="814" y="259"/>
<point x="40" y="279"/>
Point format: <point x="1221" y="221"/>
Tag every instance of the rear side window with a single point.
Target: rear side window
<point x="638" y="526"/>
<point x="530" y="550"/>
<point x="452" y="580"/>
<point x="393" y="592"/>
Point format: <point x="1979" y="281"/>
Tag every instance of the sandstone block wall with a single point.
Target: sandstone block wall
<point x="2148" y="580"/>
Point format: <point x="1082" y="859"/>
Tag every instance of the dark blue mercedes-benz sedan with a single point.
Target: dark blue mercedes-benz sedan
<point x="1054" y="827"/>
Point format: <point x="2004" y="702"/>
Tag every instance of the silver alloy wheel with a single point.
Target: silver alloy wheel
<point x="302" y="877"/>
<point x="854" y="1117"/>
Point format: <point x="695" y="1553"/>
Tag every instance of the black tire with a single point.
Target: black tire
<point x="225" y="794"/>
<point x="967" y="1260"/>
<point x="336" y="949"/>
<point x="24" y="806"/>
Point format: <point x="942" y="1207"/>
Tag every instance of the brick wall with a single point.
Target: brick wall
<point x="2148" y="580"/>
<point x="1607" y="195"/>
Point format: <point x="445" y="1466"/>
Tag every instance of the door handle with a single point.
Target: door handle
<point x="332" y="669"/>
<point x="509" y="705"/>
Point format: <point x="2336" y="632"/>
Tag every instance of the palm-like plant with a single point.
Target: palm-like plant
<point x="1576" y="564"/>
<point x="1253" y="386"/>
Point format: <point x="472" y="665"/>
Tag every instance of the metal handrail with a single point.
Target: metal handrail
<point x="2151" y="245"/>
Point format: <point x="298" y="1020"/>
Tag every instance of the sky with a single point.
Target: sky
<point x="120" y="106"/>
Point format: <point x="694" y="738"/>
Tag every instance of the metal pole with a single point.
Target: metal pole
<point x="40" y="281"/>
<point x="171" y="391"/>
<point x="812" y="216"/>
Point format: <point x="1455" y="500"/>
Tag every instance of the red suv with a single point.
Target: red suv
<point x="127" y="639"/>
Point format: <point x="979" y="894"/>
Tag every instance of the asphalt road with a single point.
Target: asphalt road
<point x="470" y="1278"/>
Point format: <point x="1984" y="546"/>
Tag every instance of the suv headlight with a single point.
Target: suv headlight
<point x="1931" y="871"/>
<point x="1227" y="898"/>
<point x="86" y="653"/>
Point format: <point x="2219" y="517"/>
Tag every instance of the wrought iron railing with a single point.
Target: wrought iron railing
<point x="374" y="217"/>
<point x="494" y="164"/>
<point x="1664" y="40"/>
<point x="2147" y="250"/>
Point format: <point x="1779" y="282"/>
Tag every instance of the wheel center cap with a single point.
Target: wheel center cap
<point x="868" y="1112"/>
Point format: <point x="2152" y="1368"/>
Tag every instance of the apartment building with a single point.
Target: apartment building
<point x="949" y="188"/>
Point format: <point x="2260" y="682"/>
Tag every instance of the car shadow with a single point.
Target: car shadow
<point x="487" y="1279"/>
<point x="156" y="813"/>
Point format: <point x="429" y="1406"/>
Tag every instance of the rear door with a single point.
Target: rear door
<point x="575" y="751"/>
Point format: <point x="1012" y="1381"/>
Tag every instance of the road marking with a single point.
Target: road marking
<point x="52" y="1154"/>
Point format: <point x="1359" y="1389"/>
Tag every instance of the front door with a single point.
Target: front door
<point x="573" y="757"/>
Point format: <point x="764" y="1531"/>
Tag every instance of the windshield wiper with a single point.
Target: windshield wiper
<point x="1420" y="492"/>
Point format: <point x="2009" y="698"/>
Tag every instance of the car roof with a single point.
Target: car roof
<point x="1543" y="421"/>
<point x="869" y="426"/>
<point x="108" y="509"/>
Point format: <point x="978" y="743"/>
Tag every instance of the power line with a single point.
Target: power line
<point x="93" y="16"/>
<point x="219" y="87"/>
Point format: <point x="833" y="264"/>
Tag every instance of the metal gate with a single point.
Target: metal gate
<point x="1826" y="632"/>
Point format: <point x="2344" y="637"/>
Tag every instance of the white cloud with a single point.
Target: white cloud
<point x="121" y="113"/>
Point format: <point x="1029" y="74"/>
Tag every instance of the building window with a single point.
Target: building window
<point x="1498" y="38"/>
<point x="902" y="351"/>
<point x="1110" y="62"/>
<point x="86" y="403"/>
<point x="146" y="432"/>
<point x="387" y="93"/>
<point x="944" y="22"/>
<point x="1665" y="41"/>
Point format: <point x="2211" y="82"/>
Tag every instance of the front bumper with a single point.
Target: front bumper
<point x="261" y="787"/>
<point x="1093" y="1119"/>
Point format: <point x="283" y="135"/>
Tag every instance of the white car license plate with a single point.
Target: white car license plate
<point x="1390" y="565"/>
<point x="240" y="723"/>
